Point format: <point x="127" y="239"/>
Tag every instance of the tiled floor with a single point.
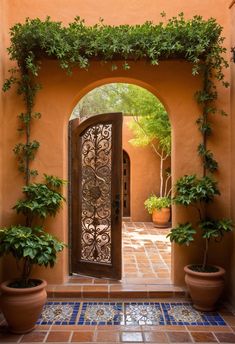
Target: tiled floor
<point x="160" y="321"/>
<point x="146" y="256"/>
<point x="146" y="252"/>
<point x="146" y="269"/>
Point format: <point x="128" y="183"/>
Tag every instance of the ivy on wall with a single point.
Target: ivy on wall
<point x="197" y="41"/>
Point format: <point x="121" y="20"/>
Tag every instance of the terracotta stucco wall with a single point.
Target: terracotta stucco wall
<point x="232" y="265"/>
<point x="171" y="81"/>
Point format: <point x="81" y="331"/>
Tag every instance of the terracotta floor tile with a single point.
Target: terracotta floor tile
<point x="165" y="328"/>
<point x="155" y="337"/>
<point x="225" y="337"/>
<point x="6" y="337"/>
<point x="82" y="336"/>
<point x="230" y="319"/>
<point x="203" y="337"/>
<point x="42" y="327"/>
<point x="131" y="337"/>
<point x="147" y="246"/>
<point x="107" y="336"/>
<point x="35" y="336"/>
<point x="81" y="280"/>
<point x="58" y="336"/>
<point x="95" y="291"/>
<point x="179" y="337"/>
<point x="209" y="328"/>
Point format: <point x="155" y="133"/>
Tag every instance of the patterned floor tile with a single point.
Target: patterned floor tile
<point x="59" y="313"/>
<point x="127" y="313"/>
<point x="185" y="314"/>
<point x="101" y="313"/>
<point x="147" y="313"/>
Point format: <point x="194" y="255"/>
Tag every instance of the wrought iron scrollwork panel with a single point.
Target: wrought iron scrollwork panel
<point x="96" y="154"/>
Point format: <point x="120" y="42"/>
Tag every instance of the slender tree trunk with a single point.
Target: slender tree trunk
<point x="26" y="272"/>
<point x="205" y="258"/>
<point x="161" y="177"/>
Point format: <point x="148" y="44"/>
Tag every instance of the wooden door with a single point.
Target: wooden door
<point x="96" y="194"/>
<point x="126" y="185"/>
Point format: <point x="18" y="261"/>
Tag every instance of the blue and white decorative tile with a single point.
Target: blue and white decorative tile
<point x="185" y="314"/>
<point x="147" y="313"/>
<point x="127" y="313"/>
<point x="101" y="313"/>
<point x="181" y="314"/>
<point x="59" y="313"/>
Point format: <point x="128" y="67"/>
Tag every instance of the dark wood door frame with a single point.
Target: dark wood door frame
<point x="86" y="229"/>
<point x="126" y="185"/>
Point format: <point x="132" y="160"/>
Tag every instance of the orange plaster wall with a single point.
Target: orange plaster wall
<point x="232" y="270"/>
<point x="171" y="81"/>
<point x="145" y="179"/>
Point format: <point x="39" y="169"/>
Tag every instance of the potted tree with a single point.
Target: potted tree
<point x="205" y="281"/>
<point x="23" y="298"/>
<point x="151" y="126"/>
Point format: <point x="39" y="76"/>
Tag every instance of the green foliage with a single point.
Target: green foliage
<point x="209" y="162"/>
<point x="25" y="152"/>
<point x="183" y="234"/>
<point x="153" y="128"/>
<point x="195" y="40"/>
<point x="154" y="202"/>
<point x="29" y="246"/>
<point x="196" y="192"/>
<point x="41" y="198"/>
<point x="190" y="189"/>
<point x="215" y="228"/>
<point x="30" y="243"/>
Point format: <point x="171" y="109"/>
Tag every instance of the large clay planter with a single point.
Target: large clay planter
<point x="205" y="288"/>
<point x="21" y="307"/>
<point x="161" y="217"/>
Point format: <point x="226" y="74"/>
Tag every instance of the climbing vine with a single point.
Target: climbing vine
<point x="197" y="41"/>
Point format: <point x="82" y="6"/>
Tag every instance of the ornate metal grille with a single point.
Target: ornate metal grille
<point x="96" y="151"/>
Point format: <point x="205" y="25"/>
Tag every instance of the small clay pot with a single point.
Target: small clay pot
<point x="22" y="307"/>
<point x="205" y="288"/>
<point x="161" y="217"/>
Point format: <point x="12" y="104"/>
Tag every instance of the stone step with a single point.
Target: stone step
<point x="113" y="291"/>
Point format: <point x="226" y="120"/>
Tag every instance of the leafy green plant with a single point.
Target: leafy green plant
<point x="154" y="130"/>
<point x="196" y="192"/>
<point x="42" y="199"/>
<point x="29" y="246"/>
<point x="154" y="202"/>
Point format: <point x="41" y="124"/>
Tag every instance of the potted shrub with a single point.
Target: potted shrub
<point x="159" y="207"/>
<point x="23" y="298"/>
<point x="205" y="281"/>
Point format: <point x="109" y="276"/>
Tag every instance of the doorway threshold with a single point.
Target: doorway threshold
<point x="88" y="287"/>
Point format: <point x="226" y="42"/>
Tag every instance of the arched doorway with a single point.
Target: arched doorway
<point x="139" y="239"/>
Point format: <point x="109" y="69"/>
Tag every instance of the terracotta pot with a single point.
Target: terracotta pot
<point x="21" y="307"/>
<point x="205" y="288"/>
<point x="161" y="217"/>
